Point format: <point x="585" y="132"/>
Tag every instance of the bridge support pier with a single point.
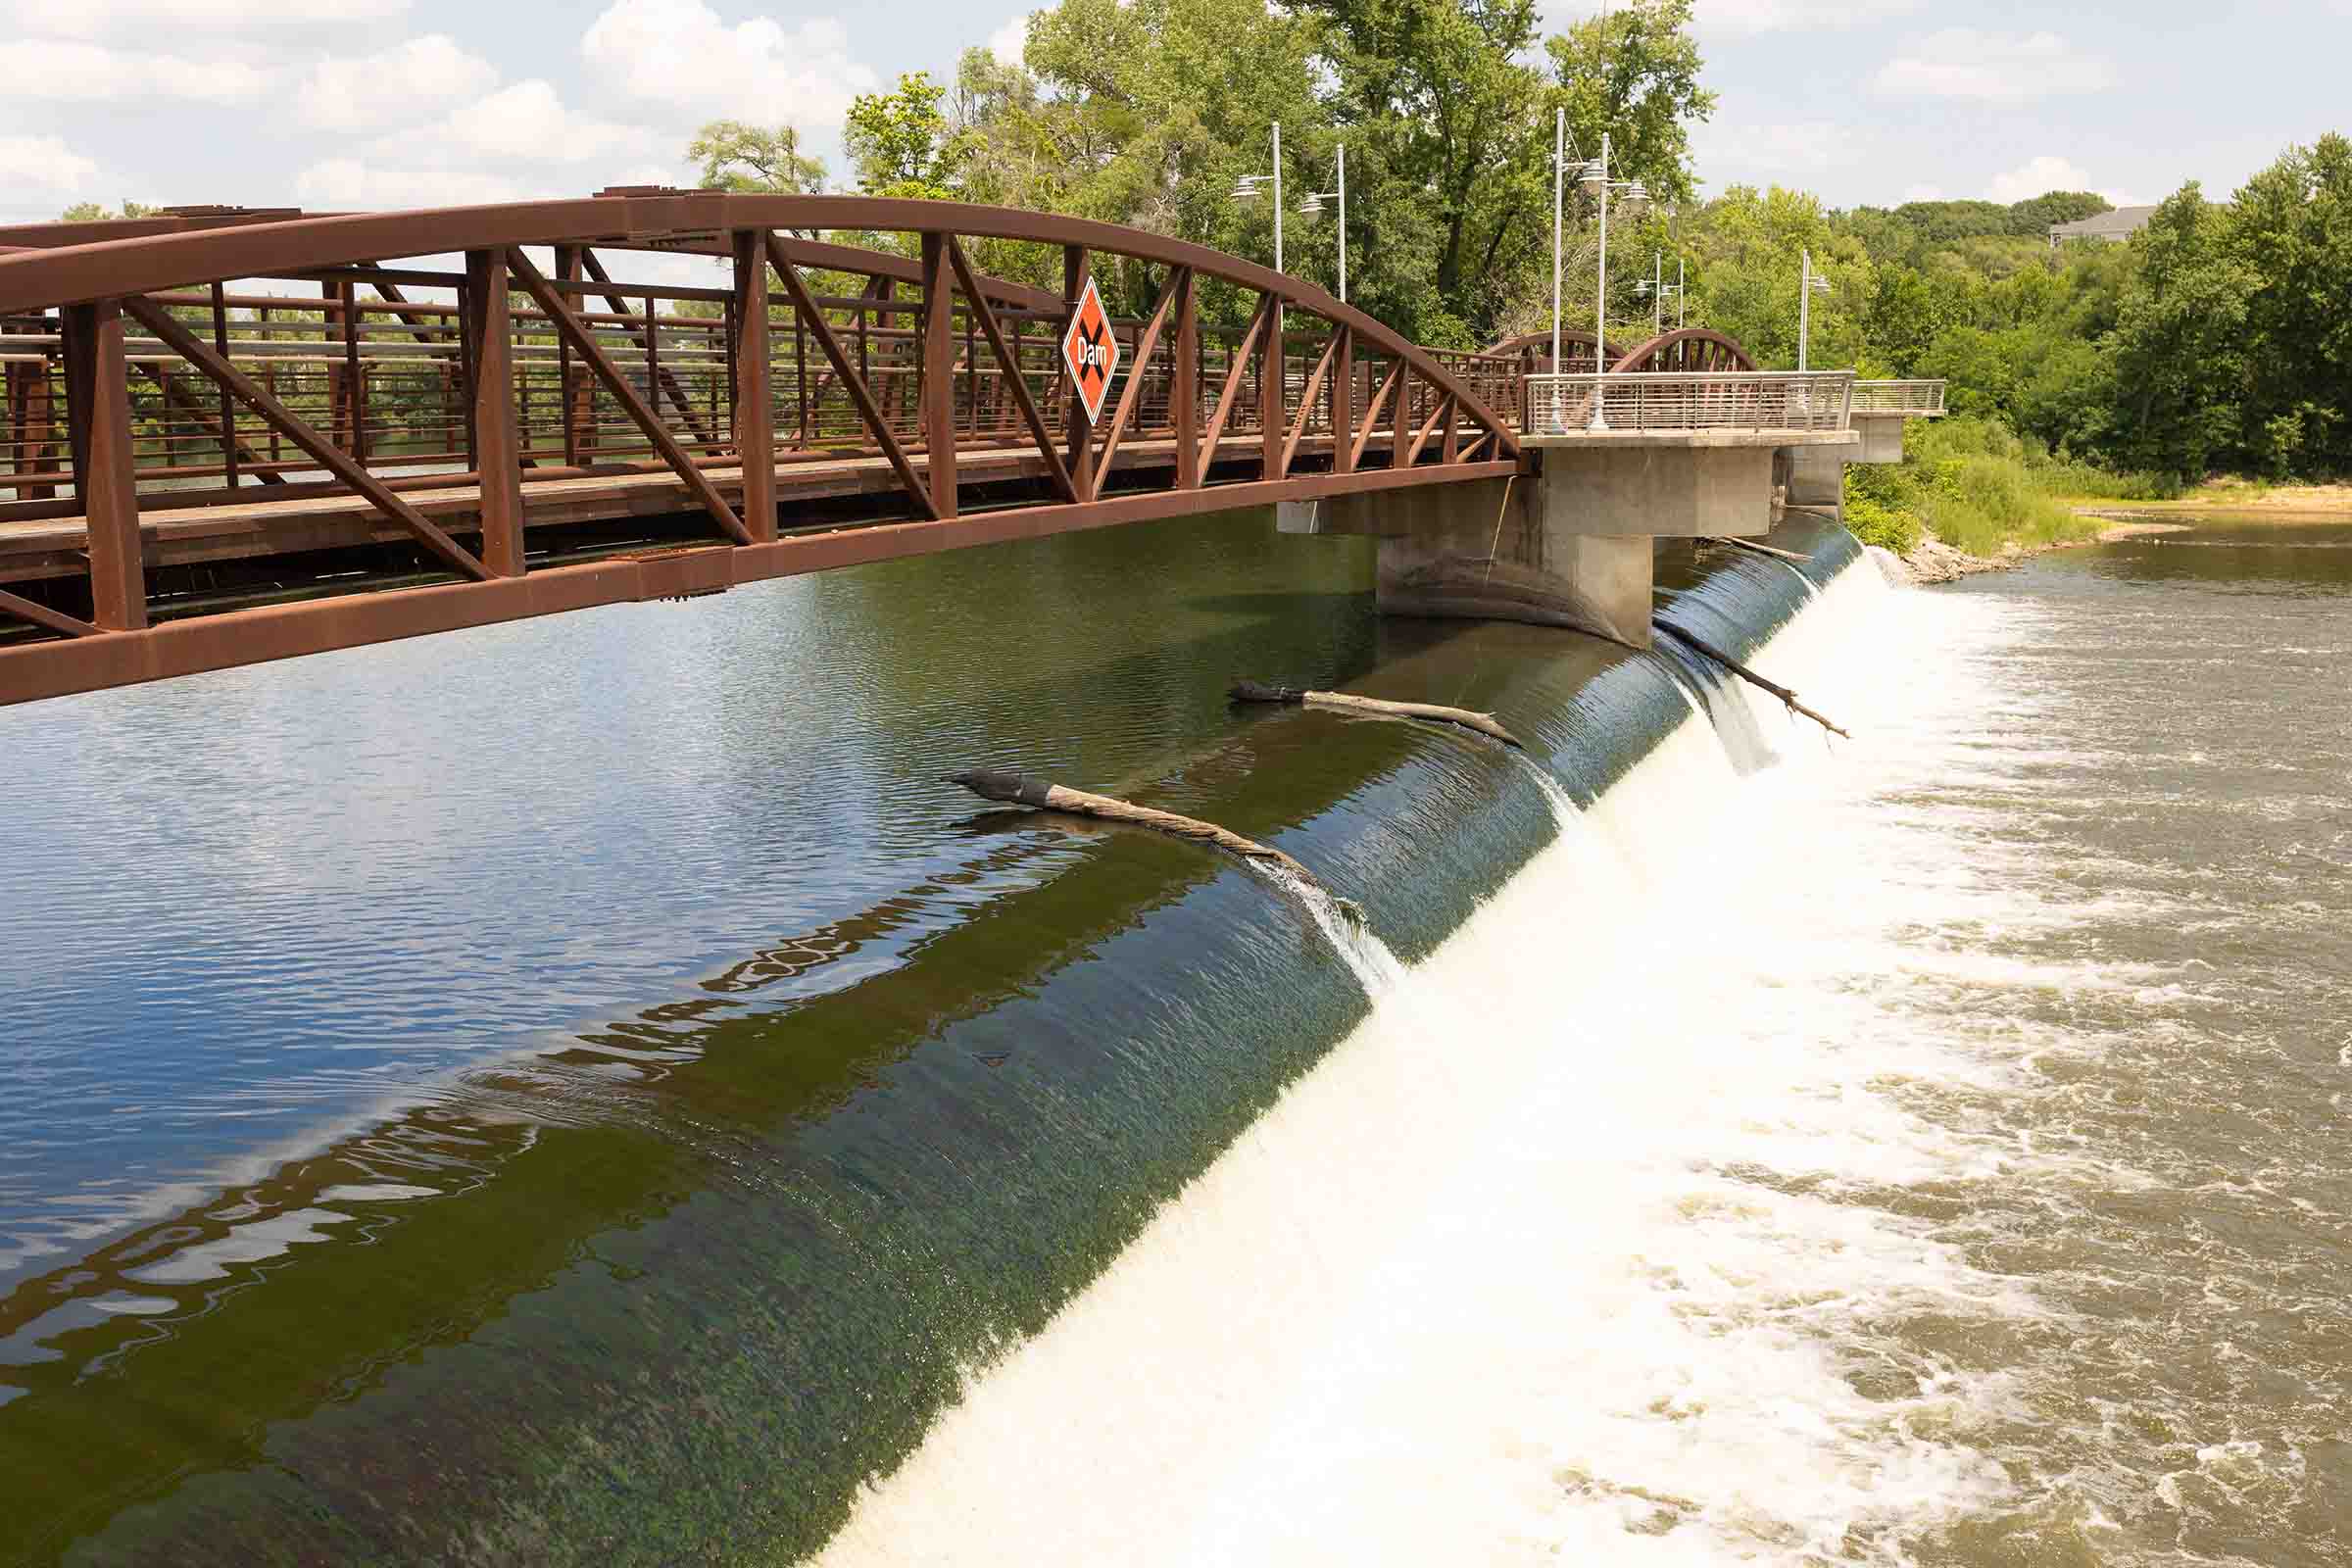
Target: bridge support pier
<point x="1572" y="542"/>
<point x="1488" y="552"/>
<point x="1816" y="475"/>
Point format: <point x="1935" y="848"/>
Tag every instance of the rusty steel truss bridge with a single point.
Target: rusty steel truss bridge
<point x="234" y="435"/>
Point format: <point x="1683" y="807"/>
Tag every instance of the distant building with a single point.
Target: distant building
<point x="2111" y="228"/>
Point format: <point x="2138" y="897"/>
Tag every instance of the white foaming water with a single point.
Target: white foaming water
<point x="1375" y="965"/>
<point x="1548" y="1261"/>
<point x="1563" y="809"/>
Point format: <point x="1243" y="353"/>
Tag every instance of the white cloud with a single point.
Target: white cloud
<point x="1780" y="16"/>
<point x="91" y="19"/>
<point x="48" y="68"/>
<point x="1994" y="67"/>
<point x="2038" y="177"/>
<point x="1010" y="41"/>
<point x="42" y="161"/>
<point x="1922" y="193"/>
<point x="347" y="182"/>
<point x="679" y="54"/>
<point x="528" y="121"/>
<point x="363" y="92"/>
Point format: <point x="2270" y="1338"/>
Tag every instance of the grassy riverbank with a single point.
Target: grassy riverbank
<point x="1979" y="488"/>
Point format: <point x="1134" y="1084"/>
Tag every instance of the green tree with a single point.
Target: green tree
<point x="93" y="213"/>
<point x="1747" y="247"/>
<point x="2291" y="228"/>
<point x="1633" y="74"/>
<point x="903" y="142"/>
<point x="2180" y="345"/>
<point x="1440" y="90"/>
<point x="737" y="155"/>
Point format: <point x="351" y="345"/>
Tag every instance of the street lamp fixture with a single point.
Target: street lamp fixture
<point x="1596" y="176"/>
<point x="1810" y="284"/>
<point x="1249" y="188"/>
<point x="1655" y="289"/>
<point x="1314" y="208"/>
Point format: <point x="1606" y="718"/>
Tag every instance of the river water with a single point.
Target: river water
<point x="582" y="1092"/>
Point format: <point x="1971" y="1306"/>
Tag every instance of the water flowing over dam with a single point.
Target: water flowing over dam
<point x="643" y="1117"/>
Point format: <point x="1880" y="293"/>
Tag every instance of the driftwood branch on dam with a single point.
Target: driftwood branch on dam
<point x="1787" y="697"/>
<point x="1252" y="691"/>
<point x="1017" y="789"/>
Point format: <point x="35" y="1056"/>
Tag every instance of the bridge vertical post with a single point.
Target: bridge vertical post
<point x="354" y="374"/>
<point x="1273" y="370"/>
<point x="1400" y="416"/>
<point x="939" y="373"/>
<point x="1075" y="269"/>
<point x="98" y="408"/>
<point x="753" y="417"/>
<point x="338" y="391"/>
<point x="487" y="335"/>
<point x="1183" y="384"/>
<point x="38" y="431"/>
<point x="1343" y="403"/>
<point x="227" y="405"/>
<point x="572" y="387"/>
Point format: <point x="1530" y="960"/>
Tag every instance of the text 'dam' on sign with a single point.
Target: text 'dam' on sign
<point x="1091" y="351"/>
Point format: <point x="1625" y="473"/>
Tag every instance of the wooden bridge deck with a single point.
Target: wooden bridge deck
<point x="56" y="548"/>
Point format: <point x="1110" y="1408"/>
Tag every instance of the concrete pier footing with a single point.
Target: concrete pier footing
<point x="1571" y="542"/>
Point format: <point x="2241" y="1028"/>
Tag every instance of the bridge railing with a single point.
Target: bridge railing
<point x="386" y="383"/>
<point x="1916" y="399"/>
<point x="199" y="411"/>
<point x="1669" y="401"/>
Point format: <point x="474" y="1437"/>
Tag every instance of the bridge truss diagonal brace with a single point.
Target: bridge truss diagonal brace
<point x="1178" y="286"/>
<point x="573" y="331"/>
<point x="1380" y="401"/>
<point x="1023" y="398"/>
<point x="180" y="341"/>
<point x="43" y="616"/>
<point x="860" y="394"/>
<point x="1235" y="372"/>
<point x="1306" y="401"/>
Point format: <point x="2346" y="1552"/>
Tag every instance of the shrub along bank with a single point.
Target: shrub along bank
<point x="1978" y="487"/>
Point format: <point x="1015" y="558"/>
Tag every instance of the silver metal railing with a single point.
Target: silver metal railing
<point x="1736" y="400"/>
<point x="1923" y="399"/>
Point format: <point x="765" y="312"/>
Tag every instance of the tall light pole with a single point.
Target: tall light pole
<point x="1559" y="185"/>
<point x="1810" y="284"/>
<point x="1314" y="208"/>
<point x="1657" y="288"/>
<point x="1246" y="189"/>
<point x="1597" y="176"/>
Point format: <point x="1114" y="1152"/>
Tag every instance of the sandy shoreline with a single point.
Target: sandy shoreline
<point x="2283" y="501"/>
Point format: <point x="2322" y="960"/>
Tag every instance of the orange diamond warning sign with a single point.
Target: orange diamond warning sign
<point x="1091" y="351"/>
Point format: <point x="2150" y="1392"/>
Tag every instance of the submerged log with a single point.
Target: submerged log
<point x="1788" y="697"/>
<point x="1761" y="549"/>
<point x="1252" y="691"/>
<point x="1015" y="789"/>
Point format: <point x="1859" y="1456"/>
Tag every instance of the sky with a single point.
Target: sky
<point x="346" y="104"/>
